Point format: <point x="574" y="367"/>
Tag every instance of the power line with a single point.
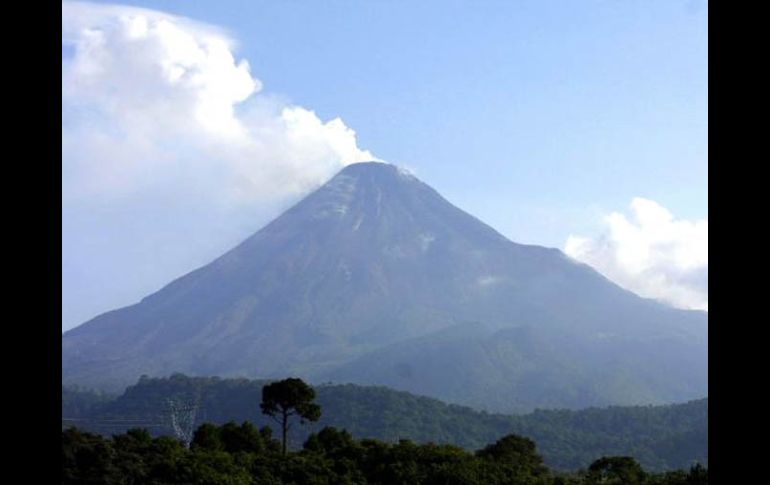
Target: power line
<point x="94" y="420"/>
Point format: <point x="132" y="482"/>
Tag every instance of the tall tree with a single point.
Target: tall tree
<point x="518" y="452"/>
<point x="616" y="470"/>
<point x="286" y="398"/>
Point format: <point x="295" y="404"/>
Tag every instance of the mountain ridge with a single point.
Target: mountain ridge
<point x="373" y="258"/>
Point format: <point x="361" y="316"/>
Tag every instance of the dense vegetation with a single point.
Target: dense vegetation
<point x="242" y="455"/>
<point x="79" y="402"/>
<point x="659" y="437"/>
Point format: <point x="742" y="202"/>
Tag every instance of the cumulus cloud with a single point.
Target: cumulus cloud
<point x="172" y="152"/>
<point x="652" y="254"/>
<point x="149" y="96"/>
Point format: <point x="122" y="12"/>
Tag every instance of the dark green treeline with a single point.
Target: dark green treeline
<point x="234" y="454"/>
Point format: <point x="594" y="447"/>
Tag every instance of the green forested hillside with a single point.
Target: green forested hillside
<point x="77" y="401"/>
<point x="660" y="437"/>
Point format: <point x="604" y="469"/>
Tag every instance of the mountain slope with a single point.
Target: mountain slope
<point x="362" y="277"/>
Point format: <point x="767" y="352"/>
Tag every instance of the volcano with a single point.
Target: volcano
<point x="375" y="278"/>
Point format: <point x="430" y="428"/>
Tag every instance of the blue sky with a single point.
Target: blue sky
<point x="541" y="118"/>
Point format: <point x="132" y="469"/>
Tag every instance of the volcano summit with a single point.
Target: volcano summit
<point x="375" y="278"/>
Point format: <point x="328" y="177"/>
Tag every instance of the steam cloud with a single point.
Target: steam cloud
<point x="150" y="98"/>
<point x="171" y="152"/>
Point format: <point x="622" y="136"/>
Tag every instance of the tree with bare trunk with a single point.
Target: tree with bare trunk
<point x="286" y="398"/>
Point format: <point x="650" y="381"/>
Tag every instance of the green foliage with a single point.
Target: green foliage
<point x="87" y="458"/>
<point x="660" y="437"/>
<point x="242" y="455"/>
<point x="616" y="470"/>
<point x="232" y="438"/>
<point x="517" y="453"/>
<point x="78" y="402"/>
<point x="290" y="396"/>
<point x="207" y="437"/>
<point x="286" y="398"/>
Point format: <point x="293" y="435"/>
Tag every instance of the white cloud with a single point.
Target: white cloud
<point x="654" y="255"/>
<point x="147" y="96"/>
<point x="171" y="152"/>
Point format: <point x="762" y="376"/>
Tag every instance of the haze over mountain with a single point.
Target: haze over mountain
<point x="376" y="279"/>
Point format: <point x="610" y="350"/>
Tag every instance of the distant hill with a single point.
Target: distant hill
<point x="660" y="437"/>
<point x="376" y="279"/>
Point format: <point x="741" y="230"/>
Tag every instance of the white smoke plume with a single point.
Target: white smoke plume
<point x="172" y="152"/>
<point x="150" y="98"/>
